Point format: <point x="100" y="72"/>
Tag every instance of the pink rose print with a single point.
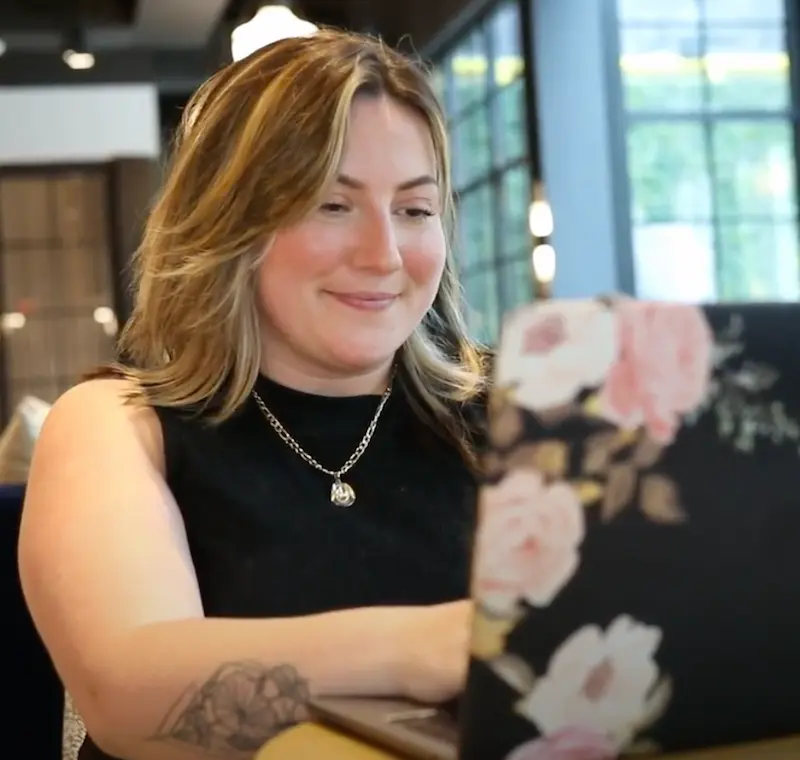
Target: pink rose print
<point x="552" y="351"/>
<point x="568" y="744"/>
<point x="528" y="540"/>
<point x="600" y="680"/>
<point x="663" y="370"/>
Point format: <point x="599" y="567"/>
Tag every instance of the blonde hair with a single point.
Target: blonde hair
<point x="256" y="146"/>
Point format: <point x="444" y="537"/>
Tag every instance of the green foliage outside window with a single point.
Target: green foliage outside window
<point x="719" y="151"/>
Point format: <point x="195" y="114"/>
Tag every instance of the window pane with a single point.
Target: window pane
<point x="475" y="244"/>
<point x="713" y="195"/>
<point x="759" y="262"/>
<point x="754" y="169"/>
<point x="437" y="78"/>
<point x="744" y="10"/>
<point x="748" y="68"/>
<point x="660" y="68"/>
<point x="515" y="199"/>
<point x="675" y="261"/>
<point x="468" y="64"/>
<point x="471" y="148"/>
<point x="483" y="309"/>
<point x="511" y="131"/>
<point x="674" y="11"/>
<point x="505" y="35"/>
<point x="507" y="69"/>
<point x="516" y="283"/>
<point x="668" y="175"/>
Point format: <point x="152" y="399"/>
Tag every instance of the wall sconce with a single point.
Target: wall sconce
<point x="543" y="257"/>
<point x="540" y="219"/>
<point x="270" y="24"/>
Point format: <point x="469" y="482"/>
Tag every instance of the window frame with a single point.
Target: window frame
<point x="500" y="257"/>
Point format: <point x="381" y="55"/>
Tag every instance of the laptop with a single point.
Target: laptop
<point x="636" y="570"/>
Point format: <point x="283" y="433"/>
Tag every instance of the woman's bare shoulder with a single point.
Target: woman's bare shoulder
<point x="106" y="408"/>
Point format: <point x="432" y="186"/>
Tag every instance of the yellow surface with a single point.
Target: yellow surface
<point x="313" y="742"/>
<point x="783" y="749"/>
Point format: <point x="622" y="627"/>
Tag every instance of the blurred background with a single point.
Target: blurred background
<point x="644" y="146"/>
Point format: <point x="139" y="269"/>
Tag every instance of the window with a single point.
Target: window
<point x="481" y="82"/>
<point x="710" y="143"/>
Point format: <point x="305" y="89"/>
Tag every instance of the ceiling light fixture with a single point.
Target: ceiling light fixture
<point x="105" y="317"/>
<point x="77" y="55"/>
<point x="270" y="24"/>
<point x="77" y="60"/>
<point x="12" y="321"/>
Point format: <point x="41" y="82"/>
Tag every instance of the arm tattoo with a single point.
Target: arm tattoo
<point x="241" y="707"/>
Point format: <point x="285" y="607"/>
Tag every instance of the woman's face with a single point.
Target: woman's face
<point x="342" y="290"/>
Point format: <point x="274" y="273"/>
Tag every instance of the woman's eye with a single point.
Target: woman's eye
<point x="419" y="213"/>
<point x="333" y="208"/>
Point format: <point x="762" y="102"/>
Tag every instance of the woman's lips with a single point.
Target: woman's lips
<point x="366" y="301"/>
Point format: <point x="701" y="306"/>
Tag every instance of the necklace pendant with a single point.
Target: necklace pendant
<point x="342" y="494"/>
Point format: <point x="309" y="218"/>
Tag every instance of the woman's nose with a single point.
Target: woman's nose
<point x="378" y="247"/>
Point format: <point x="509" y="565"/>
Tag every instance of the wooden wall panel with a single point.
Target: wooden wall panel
<point x="55" y="263"/>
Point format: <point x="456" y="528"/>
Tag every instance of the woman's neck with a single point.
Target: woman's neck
<point x="322" y="382"/>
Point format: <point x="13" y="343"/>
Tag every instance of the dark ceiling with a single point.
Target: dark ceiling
<point x="175" y="43"/>
<point x="46" y="15"/>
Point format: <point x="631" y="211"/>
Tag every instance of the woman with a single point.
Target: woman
<point x="272" y="498"/>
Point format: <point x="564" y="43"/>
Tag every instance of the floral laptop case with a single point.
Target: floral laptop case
<point x="637" y="560"/>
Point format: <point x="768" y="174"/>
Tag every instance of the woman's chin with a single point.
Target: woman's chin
<point x="363" y="358"/>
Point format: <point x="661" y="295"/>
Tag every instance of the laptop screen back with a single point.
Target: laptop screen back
<point x="637" y="573"/>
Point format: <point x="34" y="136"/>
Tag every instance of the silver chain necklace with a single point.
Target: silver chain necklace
<point x="342" y="494"/>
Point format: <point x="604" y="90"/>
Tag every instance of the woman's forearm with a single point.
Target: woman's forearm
<point x="221" y="688"/>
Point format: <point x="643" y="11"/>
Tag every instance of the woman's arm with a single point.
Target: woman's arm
<point x="222" y="688"/>
<point x="108" y="577"/>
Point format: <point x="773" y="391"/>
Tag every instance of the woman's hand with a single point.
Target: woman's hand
<point x="435" y="651"/>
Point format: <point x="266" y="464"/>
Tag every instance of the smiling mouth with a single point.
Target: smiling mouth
<point x="366" y="301"/>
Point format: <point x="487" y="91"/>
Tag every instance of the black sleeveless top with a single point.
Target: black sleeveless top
<point x="265" y="539"/>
